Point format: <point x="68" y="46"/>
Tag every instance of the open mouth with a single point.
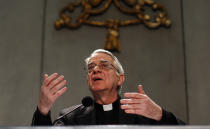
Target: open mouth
<point x="97" y="79"/>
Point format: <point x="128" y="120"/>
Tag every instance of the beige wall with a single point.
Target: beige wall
<point x="172" y="64"/>
<point x="197" y="46"/>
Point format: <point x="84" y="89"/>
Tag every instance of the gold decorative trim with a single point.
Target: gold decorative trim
<point x="134" y="7"/>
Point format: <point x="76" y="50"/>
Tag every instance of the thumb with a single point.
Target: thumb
<point x="140" y="89"/>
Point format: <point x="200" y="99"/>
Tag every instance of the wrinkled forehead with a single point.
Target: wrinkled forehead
<point x="99" y="57"/>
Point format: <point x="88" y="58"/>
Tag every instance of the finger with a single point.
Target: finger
<point x="60" y="92"/>
<point x="133" y="111"/>
<point x="44" y="79"/>
<point x="140" y="89"/>
<point x="50" y="78"/>
<point x="45" y="76"/>
<point x="134" y="95"/>
<point x="130" y="101"/>
<point x="56" y="81"/>
<point x="130" y="106"/>
<point x="57" y="87"/>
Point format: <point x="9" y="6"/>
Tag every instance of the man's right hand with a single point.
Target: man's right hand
<point x="52" y="88"/>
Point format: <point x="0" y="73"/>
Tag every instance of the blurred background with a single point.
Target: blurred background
<point x="172" y="63"/>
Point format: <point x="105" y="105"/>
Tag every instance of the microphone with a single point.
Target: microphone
<point x="86" y="102"/>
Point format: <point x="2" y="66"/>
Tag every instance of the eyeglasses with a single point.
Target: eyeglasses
<point x="103" y="65"/>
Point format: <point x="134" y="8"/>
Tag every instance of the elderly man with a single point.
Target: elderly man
<point x="105" y="78"/>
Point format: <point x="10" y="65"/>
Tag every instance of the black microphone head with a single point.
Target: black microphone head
<point x="87" y="101"/>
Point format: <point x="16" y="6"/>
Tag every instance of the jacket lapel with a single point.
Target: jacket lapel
<point x="125" y="118"/>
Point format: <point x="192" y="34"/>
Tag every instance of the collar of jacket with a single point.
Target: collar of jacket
<point x="88" y="116"/>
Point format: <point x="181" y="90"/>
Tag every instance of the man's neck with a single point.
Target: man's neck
<point x="105" y="98"/>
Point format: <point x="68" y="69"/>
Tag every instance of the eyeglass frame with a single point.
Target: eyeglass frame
<point x="100" y="65"/>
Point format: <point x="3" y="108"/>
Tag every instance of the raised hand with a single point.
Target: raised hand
<point x="52" y="88"/>
<point x="139" y="103"/>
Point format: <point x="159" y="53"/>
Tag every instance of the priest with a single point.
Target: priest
<point x="105" y="76"/>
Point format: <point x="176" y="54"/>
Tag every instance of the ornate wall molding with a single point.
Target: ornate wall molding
<point x="129" y="7"/>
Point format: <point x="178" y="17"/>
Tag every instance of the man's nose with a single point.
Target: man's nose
<point x="96" y="69"/>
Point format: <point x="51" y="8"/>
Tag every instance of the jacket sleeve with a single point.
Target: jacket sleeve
<point x="41" y="120"/>
<point x="169" y="119"/>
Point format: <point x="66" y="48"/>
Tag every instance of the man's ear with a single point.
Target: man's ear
<point x="121" y="79"/>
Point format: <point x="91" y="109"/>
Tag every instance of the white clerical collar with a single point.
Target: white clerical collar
<point x="107" y="107"/>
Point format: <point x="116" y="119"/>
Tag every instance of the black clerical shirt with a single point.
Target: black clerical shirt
<point x="95" y="115"/>
<point x="107" y="117"/>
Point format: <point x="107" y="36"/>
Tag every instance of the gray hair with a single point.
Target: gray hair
<point x="116" y="62"/>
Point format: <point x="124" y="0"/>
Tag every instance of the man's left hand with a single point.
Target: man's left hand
<point x="139" y="103"/>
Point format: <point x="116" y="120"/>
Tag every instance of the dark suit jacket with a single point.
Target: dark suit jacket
<point x="80" y="115"/>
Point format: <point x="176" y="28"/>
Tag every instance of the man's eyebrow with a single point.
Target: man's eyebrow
<point x="91" y="63"/>
<point x="103" y="61"/>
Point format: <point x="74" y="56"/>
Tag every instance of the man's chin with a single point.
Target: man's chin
<point x="96" y="88"/>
